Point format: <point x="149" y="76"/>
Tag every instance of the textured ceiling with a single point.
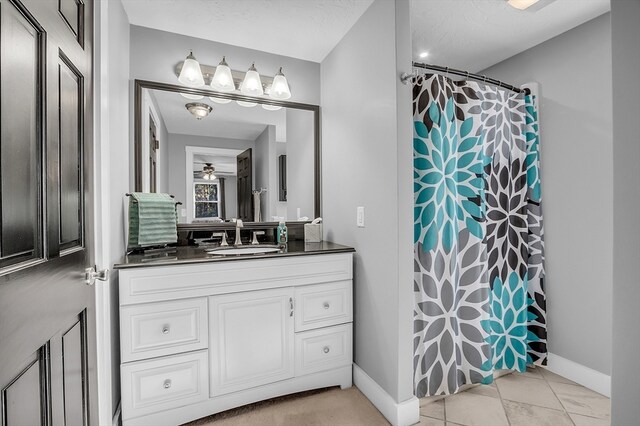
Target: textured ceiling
<point x="475" y="34"/>
<point x="303" y="29"/>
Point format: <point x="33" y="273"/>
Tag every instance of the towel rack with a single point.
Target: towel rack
<point x="172" y="196"/>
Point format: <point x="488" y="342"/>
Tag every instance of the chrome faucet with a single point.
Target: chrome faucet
<point x="255" y="237"/>
<point x="238" y="226"/>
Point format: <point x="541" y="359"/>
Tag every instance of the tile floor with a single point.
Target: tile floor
<point x="534" y="398"/>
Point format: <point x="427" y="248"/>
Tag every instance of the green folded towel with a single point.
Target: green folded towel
<point x="152" y="219"/>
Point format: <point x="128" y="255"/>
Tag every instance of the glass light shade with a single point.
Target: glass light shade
<point x="252" y="85"/>
<point x="246" y="104"/>
<point x="199" y="110"/>
<point x="191" y="74"/>
<point x="271" y="107"/>
<point x="220" y="100"/>
<point x="280" y="87"/>
<point x="522" y="4"/>
<point x="222" y="79"/>
<point x="192" y="97"/>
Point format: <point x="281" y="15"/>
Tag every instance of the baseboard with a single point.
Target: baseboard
<point x="585" y="376"/>
<point x="116" y="416"/>
<point x="404" y="413"/>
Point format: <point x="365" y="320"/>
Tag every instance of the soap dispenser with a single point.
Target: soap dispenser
<point x="283" y="235"/>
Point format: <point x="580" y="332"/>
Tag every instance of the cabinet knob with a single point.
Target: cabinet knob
<point x="326" y="349"/>
<point x="325" y="305"/>
<point x="167" y="384"/>
<point x="166" y="329"/>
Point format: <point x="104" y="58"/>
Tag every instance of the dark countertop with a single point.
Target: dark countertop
<point x="192" y="254"/>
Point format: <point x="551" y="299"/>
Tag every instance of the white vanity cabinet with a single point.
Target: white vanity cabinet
<point x="201" y="338"/>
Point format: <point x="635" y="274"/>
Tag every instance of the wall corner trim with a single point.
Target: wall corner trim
<point x="404" y="413"/>
<point x="585" y="376"/>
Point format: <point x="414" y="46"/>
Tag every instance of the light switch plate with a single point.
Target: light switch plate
<point x="360" y="217"/>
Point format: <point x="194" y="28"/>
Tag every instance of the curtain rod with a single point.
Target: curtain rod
<point x="406" y="77"/>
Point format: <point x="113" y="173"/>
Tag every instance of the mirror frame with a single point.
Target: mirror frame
<point x="139" y="85"/>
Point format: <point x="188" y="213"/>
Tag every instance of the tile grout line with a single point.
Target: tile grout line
<point x="561" y="403"/>
<point x="501" y="402"/>
<point x="559" y="400"/>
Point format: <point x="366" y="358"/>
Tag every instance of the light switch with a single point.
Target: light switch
<point x="360" y="217"/>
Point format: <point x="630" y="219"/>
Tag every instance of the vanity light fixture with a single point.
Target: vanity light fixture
<point x="280" y="87"/>
<point x="522" y="4"/>
<point x="223" y="79"/>
<point x="270" y="107"/>
<point x="191" y="74"/>
<point x="207" y="172"/>
<point x="192" y="97"/>
<point x="247" y="104"/>
<point x="252" y="85"/>
<point x="198" y="109"/>
<point x="219" y="100"/>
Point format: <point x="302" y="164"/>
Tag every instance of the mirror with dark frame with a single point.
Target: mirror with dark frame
<point x="227" y="156"/>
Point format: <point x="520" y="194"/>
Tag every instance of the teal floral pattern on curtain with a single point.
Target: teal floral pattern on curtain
<point x="479" y="252"/>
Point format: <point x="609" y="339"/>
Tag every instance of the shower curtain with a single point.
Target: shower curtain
<point x="478" y="235"/>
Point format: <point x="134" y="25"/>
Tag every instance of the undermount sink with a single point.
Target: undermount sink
<point x="249" y="249"/>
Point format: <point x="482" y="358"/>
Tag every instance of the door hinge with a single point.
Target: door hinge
<point x="291" y="306"/>
<point x="91" y="275"/>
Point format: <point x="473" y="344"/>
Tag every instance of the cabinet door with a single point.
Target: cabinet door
<point x="251" y="339"/>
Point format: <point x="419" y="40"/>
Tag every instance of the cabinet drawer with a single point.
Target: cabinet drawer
<point x="323" y="305"/>
<point x="163" y="383"/>
<point x="323" y="349"/>
<point x="165" y="328"/>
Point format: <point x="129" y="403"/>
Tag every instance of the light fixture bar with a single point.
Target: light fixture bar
<point x="238" y="76"/>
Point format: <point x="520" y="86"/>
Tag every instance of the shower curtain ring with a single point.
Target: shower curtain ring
<point x="484" y="78"/>
<point x="467" y="75"/>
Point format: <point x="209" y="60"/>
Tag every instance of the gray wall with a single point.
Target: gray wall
<point x="574" y="72"/>
<point x="154" y="55"/>
<point x="366" y="156"/>
<point x="300" y="164"/>
<point x="264" y="171"/>
<point x="118" y="148"/>
<point x="625" y="392"/>
<point x="178" y="158"/>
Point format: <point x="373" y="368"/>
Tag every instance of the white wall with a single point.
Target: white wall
<point x="265" y="171"/>
<point x="155" y="54"/>
<point x="625" y="395"/>
<point x="366" y="161"/>
<point x="574" y="72"/>
<point x="300" y="163"/>
<point x="177" y="158"/>
<point x="112" y="182"/>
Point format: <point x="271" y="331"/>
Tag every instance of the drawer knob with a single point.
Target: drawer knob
<point x="326" y="349"/>
<point x="325" y="305"/>
<point x="166" y="329"/>
<point x="167" y="384"/>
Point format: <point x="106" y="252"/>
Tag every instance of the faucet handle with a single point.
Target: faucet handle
<point x="255" y="237"/>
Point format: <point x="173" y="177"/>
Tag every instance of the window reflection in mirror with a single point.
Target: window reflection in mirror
<point x="224" y="159"/>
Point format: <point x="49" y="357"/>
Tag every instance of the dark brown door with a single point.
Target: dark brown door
<point x="153" y="155"/>
<point x="47" y="313"/>
<point x="245" y="182"/>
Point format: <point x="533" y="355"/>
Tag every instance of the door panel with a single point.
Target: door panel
<point x="70" y="125"/>
<point x="74" y="374"/>
<point x="46" y="154"/>
<point x="245" y="185"/>
<point x="21" y="142"/>
<point x="21" y="400"/>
